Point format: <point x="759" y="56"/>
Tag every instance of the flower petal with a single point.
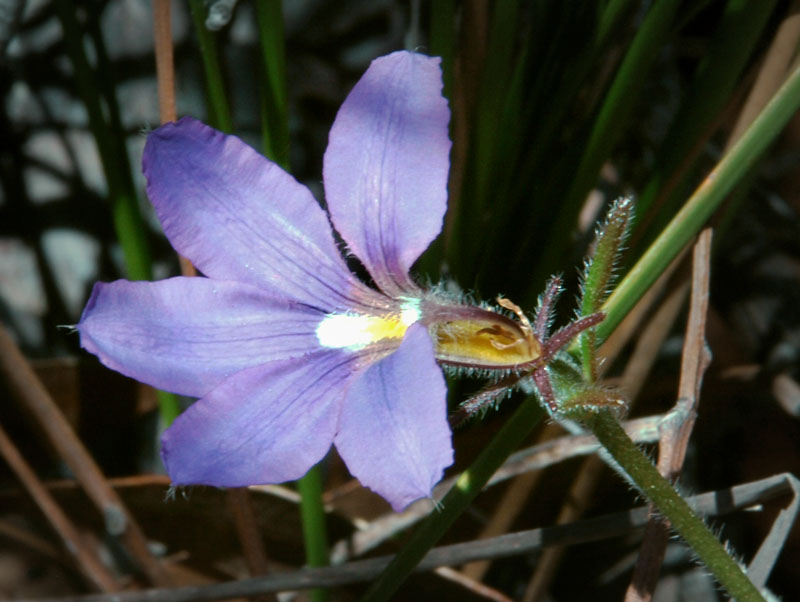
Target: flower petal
<point x="393" y="432"/>
<point x="386" y="165"/>
<point x="266" y="424"/>
<point x="187" y="335"/>
<point x="238" y="216"/>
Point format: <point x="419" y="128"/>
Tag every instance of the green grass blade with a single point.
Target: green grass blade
<point x="443" y="39"/>
<point x="128" y="222"/>
<point x="315" y="533"/>
<point x="110" y="139"/>
<point x="728" y="172"/>
<point x="219" y="111"/>
<point x="275" y="119"/>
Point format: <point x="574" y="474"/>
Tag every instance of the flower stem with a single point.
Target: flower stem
<point x="312" y="514"/>
<point x="94" y="87"/>
<point x="467" y="487"/>
<point x="669" y="502"/>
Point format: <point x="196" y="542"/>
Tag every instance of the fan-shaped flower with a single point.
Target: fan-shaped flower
<point x="287" y="350"/>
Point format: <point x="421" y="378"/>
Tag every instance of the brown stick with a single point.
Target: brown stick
<point x="28" y="389"/>
<point x="240" y="505"/>
<point x="35" y="543"/>
<point x="713" y="503"/>
<point x="510" y="506"/>
<point x="165" y="76"/>
<point x="165" y="70"/>
<point x="87" y="560"/>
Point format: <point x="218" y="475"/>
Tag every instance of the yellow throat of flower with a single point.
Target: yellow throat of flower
<point x="465" y="336"/>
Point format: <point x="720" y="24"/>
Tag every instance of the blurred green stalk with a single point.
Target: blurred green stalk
<point x="127" y="218"/>
<point x="275" y="99"/>
<point x="218" y="111"/>
<point x="315" y="532"/>
<point x="110" y="139"/>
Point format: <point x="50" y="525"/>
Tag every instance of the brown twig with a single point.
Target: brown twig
<point x="165" y="70"/>
<point x="510" y="506"/>
<point x="28" y="389"/>
<point x="165" y="76"/>
<point x="650" y="342"/>
<point x="473" y="585"/>
<point x="33" y="542"/>
<point x="631" y="326"/>
<point x="86" y="558"/>
<point x="115" y="482"/>
<point x="505" y="513"/>
<point x="514" y="544"/>
<point x="772" y="73"/>
<point x="578" y="498"/>
<point x="240" y="505"/>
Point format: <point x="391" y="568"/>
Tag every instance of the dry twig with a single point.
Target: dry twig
<point x="523" y="542"/>
<point x="88" y="562"/>
<point x="30" y="392"/>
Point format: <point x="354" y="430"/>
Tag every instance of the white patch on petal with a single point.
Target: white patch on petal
<point x="411" y="312"/>
<point x="356" y="331"/>
<point x="345" y="331"/>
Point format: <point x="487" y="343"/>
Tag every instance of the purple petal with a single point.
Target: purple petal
<point x="187" y="335"/>
<point x="393" y="432"/>
<point x="386" y="165"/>
<point x="238" y="216"/>
<point x="267" y="424"/>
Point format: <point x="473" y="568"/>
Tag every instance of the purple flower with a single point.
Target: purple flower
<point x="288" y="351"/>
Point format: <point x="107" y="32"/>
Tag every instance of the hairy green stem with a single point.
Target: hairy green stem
<point x="669" y="502"/>
<point x="598" y="275"/>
